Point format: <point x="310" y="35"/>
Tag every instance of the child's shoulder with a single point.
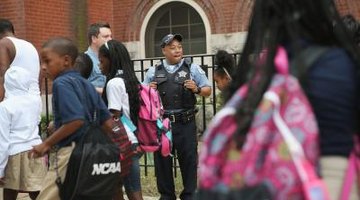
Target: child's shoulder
<point x="116" y="80"/>
<point x="73" y="81"/>
<point x="69" y="77"/>
<point x="65" y="77"/>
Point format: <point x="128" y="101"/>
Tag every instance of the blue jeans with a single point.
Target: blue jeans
<point x="132" y="180"/>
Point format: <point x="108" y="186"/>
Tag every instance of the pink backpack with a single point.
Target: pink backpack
<point x="280" y="151"/>
<point x="154" y="132"/>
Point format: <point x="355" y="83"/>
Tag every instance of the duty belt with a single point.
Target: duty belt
<point x="180" y="117"/>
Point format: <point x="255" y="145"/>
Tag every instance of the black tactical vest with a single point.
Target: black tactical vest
<point x="171" y="88"/>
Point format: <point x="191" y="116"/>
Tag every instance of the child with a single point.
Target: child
<point x="121" y="94"/>
<point x="58" y="57"/>
<point x="84" y="65"/>
<point x="224" y="64"/>
<point x="19" y="131"/>
<point x="331" y="82"/>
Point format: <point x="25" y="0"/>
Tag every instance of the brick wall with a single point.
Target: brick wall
<point x="39" y="20"/>
<point x="100" y="10"/>
<point x="121" y="11"/>
<point x="47" y="18"/>
<point x="129" y="16"/>
<point x="224" y="16"/>
<point x="349" y="7"/>
<point x="14" y="10"/>
<point x="220" y="14"/>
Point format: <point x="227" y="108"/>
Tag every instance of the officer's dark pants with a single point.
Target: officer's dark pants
<point x="185" y="143"/>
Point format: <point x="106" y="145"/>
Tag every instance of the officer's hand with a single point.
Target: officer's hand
<point x="191" y="85"/>
<point x="153" y="85"/>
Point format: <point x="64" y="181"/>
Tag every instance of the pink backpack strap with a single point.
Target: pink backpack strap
<point x="349" y="178"/>
<point x="281" y="62"/>
<point x="351" y="171"/>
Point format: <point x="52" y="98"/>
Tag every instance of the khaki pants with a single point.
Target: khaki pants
<point x="23" y="173"/>
<point x="50" y="190"/>
<point x="333" y="170"/>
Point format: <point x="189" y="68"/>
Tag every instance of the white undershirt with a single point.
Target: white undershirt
<point x="27" y="57"/>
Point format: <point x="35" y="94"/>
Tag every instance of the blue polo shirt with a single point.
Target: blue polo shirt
<point x="74" y="98"/>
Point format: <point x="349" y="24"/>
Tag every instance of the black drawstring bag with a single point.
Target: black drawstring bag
<point x="94" y="168"/>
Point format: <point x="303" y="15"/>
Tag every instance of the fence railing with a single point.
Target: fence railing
<point x="207" y="107"/>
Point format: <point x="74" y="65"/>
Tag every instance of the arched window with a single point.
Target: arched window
<point x="175" y="17"/>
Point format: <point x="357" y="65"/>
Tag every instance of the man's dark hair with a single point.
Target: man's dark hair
<point x="94" y="29"/>
<point x="6" y="26"/>
<point x="62" y="46"/>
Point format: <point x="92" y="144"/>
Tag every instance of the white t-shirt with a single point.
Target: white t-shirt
<point x="118" y="99"/>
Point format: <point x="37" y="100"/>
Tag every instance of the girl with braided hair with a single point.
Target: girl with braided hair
<point x="121" y="94"/>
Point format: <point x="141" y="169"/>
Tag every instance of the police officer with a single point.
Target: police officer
<point x="177" y="81"/>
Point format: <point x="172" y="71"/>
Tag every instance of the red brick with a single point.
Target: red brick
<point x="38" y="20"/>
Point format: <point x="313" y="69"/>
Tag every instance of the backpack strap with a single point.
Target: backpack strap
<point x="127" y="122"/>
<point x="352" y="171"/>
<point x="304" y="60"/>
<point x="349" y="177"/>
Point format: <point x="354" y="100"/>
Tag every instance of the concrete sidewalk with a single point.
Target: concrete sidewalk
<point x="23" y="196"/>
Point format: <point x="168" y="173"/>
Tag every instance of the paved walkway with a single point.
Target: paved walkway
<point x="26" y="197"/>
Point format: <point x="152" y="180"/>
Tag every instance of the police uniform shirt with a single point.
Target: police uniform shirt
<point x="196" y="73"/>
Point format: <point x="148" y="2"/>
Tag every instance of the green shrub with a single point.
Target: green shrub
<point x="43" y="125"/>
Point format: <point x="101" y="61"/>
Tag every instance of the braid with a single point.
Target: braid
<point x="120" y="60"/>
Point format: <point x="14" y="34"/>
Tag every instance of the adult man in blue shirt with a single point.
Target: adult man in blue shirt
<point x="177" y="81"/>
<point x="98" y="34"/>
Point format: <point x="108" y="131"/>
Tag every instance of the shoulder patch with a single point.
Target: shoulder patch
<point x="200" y="70"/>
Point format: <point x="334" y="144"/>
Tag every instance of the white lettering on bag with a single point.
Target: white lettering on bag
<point x="106" y="168"/>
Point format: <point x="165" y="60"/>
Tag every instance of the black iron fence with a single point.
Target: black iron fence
<point x="207" y="107"/>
